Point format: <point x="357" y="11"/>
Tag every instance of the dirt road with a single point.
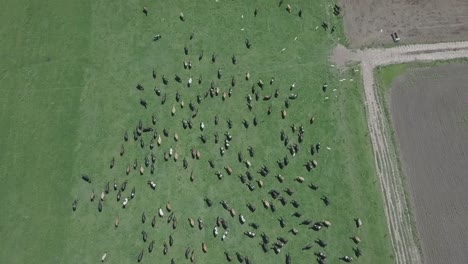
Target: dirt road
<point x="396" y="206"/>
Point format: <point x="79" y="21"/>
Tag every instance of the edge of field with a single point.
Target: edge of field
<point x="385" y="76"/>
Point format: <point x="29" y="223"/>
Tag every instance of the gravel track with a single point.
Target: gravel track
<point x="396" y="206"/>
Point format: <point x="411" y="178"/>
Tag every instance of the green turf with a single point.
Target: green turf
<point x="68" y="74"/>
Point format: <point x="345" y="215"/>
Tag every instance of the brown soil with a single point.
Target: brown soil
<point x="430" y="114"/>
<point x="370" y="22"/>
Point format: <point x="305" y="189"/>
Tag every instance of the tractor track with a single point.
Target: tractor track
<point x="397" y="209"/>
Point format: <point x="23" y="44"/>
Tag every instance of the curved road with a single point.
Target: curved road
<point x="396" y="206"/>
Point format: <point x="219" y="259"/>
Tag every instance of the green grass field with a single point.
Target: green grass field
<point x="68" y="73"/>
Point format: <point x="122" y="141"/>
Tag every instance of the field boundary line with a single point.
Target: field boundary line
<point x="397" y="206"/>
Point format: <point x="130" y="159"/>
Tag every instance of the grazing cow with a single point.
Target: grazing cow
<point x="187" y="252"/>
<point x="295" y="204"/>
<point x="234" y="59"/>
<point x="260" y="183"/>
<point x="165" y="248"/>
<point x="143" y="103"/>
<point x="192" y="256"/>
<point x="282" y="222"/>
<point x="297" y="214"/>
<point x="92" y="196"/>
<point x="357" y="252"/>
<point x="299" y="179"/>
<point x="191" y="222"/>
<point x="274" y="193"/>
<point x="300" y="13"/>
<point x="168" y="207"/>
<point x="160" y="212"/>
<point x="86" y="178"/>
<point x="204" y="247"/>
<point x="171" y="241"/>
<point x="283" y="114"/>
<point x="232" y="211"/>
<point x="358" y="222"/>
<point x="288" y="258"/>
<point x="280" y="178"/>
<point x="321" y="243"/>
<point x="254" y="225"/>
<point x="325" y="200"/>
<point x="143" y="217"/>
<point x="324" y="25"/>
<point x="240" y="258"/>
<point x="119" y="195"/>
<point x="126" y="136"/>
<point x="153" y="222"/>
<point x="144" y="236"/>
<point x="356" y="239"/>
<point x="228" y="256"/>
<point x="266" y="204"/>
<point x="282" y="200"/>
<point x="181" y="16"/>
<point x="288" y="8"/>
<point x="74" y="205"/>
<point x="125" y="202"/>
<point x="151" y="246"/>
<point x="200" y="223"/>
<point x="174" y="223"/>
<point x="228" y="170"/>
<point x="104" y="257"/>
<point x="99" y="206"/>
<point x="213" y="58"/>
<point x="307" y="247"/>
<point x="347" y="258"/>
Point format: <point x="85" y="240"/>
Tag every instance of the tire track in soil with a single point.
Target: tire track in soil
<point x="402" y="233"/>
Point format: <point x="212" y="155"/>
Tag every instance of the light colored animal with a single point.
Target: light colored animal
<point x="232" y="212"/>
<point x="160" y="212"/>
<point x="299" y="179"/>
<point x="104" y="257"/>
<point x="242" y="219"/>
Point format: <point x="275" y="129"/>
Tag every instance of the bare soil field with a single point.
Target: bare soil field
<point x="429" y="108"/>
<point x="370" y="22"/>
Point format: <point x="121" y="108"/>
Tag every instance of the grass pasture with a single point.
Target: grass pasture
<point x="68" y="74"/>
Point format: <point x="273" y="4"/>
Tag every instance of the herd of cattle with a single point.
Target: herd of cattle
<point x="147" y="137"/>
